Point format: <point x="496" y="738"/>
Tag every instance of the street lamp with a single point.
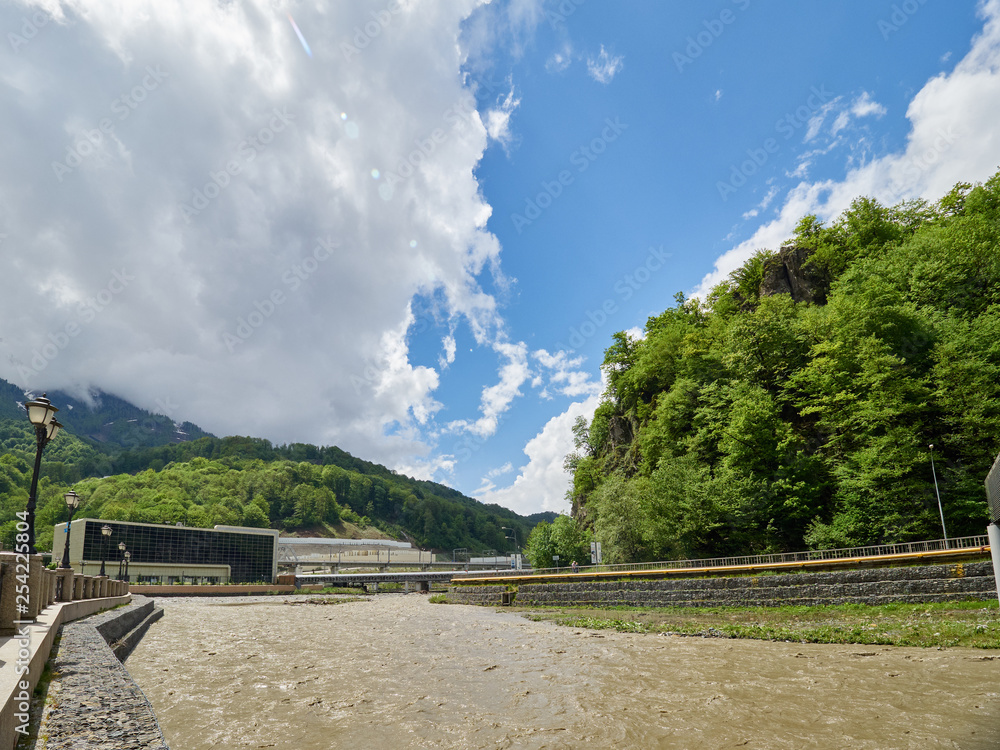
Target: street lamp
<point x="106" y="533"/>
<point x="121" y="561"/>
<point x="72" y="502"/>
<point x="937" y="492"/>
<point x="507" y="528"/>
<point x="128" y="556"/>
<point x="40" y="414"/>
<point x="517" y="547"/>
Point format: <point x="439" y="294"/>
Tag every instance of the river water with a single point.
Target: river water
<point x="394" y="671"/>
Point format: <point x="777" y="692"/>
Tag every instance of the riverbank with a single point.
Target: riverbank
<point x="973" y="624"/>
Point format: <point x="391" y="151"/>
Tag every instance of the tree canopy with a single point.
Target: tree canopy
<point x="796" y="406"/>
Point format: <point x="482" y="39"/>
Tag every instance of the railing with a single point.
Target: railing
<point x="968" y="543"/>
<point x="27" y="588"/>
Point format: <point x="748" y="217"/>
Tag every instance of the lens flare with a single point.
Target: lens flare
<point x="305" y="44"/>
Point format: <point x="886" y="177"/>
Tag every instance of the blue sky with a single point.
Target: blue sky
<point x="412" y="230"/>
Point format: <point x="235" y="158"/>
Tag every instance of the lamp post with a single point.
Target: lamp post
<point x="128" y="556"/>
<point x="40" y="414"/>
<point x="937" y="492"/>
<point x="121" y="561"/>
<point x="106" y="533"/>
<point x="517" y="547"/>
<point x="72" y="502"/>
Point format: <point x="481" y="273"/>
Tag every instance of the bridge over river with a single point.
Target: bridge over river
<point x="412" y="581"/>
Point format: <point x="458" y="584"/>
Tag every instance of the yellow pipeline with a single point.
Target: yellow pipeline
<point x="666" y="572"/>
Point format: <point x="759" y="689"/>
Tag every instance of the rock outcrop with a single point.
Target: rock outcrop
<point x="788" y="273"/>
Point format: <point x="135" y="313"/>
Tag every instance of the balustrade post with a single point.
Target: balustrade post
<point x="50" y="587"/>
<point x="34" y="605"/>
<point x="43" y="588"/>
<point x="77" y="586"/>
<point x="8" y="592"/>
<point x="66" y="576"/>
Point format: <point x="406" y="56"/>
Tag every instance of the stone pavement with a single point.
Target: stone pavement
<point x="92" y="702"/>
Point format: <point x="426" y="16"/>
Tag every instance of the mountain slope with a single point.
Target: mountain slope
<point x="129" y="464"/>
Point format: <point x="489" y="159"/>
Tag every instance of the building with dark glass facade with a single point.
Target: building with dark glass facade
<point x="169" y="554"/>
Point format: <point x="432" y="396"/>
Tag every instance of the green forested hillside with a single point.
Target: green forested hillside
<point x="298" y="488"/>
<point x="795" y="407"/>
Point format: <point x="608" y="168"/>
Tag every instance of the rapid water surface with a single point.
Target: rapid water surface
<point x="394" y="671"/>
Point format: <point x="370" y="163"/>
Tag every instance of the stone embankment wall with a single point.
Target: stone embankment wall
<point x="92" y="700"/>
<point x="928" y="583"/>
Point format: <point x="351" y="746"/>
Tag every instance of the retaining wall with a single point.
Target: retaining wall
<point x="23" y="657"/>
<point x="92" y="700"/>
<point x="920" y="584"/>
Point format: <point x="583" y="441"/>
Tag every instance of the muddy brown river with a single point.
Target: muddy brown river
<point x="394" y="671"/>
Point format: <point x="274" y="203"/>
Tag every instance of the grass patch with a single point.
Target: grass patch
<point x="438" y="599"/>
<point x="327" y="590"/>
<point x="39" y="698"/>
<point x="972" y="624"/>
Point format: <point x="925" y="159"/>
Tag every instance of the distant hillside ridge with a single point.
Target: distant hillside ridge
<point x="119" y="459"/>
<point x="109" y="420"/>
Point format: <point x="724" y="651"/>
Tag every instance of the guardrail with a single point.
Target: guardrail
<point x="961" y="544"/>
<point x="27" y="588"/>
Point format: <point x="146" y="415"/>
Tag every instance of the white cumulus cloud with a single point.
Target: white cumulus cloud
<point x="199" y="213"/>
<point x="542" y="483"/>
<point x="605" y="66"/>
